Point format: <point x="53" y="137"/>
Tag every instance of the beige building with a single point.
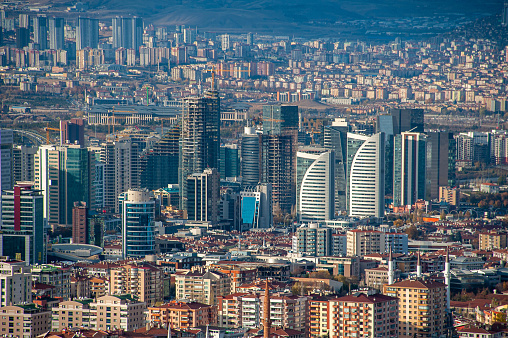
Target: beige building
<point x="363" y="316"/>
<point x="377" y="277"/>
<point x="15" y="273"/>
<point x="71" y="314"/>
<point x="449" y="195"/>
<point x="365" y="242"/>
<point x="492" y="240"/>
<point x="121" y="312"/>
<point x="24" y="321"/>
<point x="422" y="307"/>
<point x="317" y="316"/>
<point x="143" y="281"/>
<point x="182" y="315"/>
<point x="202" y="286"/>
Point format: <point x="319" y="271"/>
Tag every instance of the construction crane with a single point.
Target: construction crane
<point x="47" y="129"/>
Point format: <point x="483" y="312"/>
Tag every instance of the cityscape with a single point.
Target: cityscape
<point x="236" y="169"/>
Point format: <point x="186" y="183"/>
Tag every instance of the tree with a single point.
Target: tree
<point x="442" y="217"/>
<point x="322" y="274"/>
<point x="398" y="223"/>
<point x="413" y="232"/>
<point x="501" y="180"/>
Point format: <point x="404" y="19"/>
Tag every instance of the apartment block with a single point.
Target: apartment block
<point x="54" y="275"/>
<point x="24" y="321"/>
<point x="365" y="316"/>
<point x="422" y="307"/>
<point x="143" y="281"/>
<point x="202" y="286"/>
<point x="365" y="242"/>
<point x="122" y="312"/>
<point x="492" y="240"/>
<point x="18" y="274"/>
<point x="181" y="315"/>
<point x="70" y="314"/>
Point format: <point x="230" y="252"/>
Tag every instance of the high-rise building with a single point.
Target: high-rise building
<point x="365" y="242"/>
<point x="15" y="272"/>
<point x="366" y="188"/>
<point x="229" y="161"/>
<point x="24" y="21"/>
<point x="127" y="32"/>
<point x="315" y="180"/>
<point x="189" y="35"/>
<point x="278" y="155"/>
<point x="410" y="151"/>
<point x="202" y="196"/>
<point x="138" y="229"/>
<point x="250" y="157"/>
<point x="6" y="140"/>
<point x="225" y="42"/>
<point x="23" y="164"/>
<point x="335" y="138"/>
<point x="65" y="174"/>
<point x="384" y="124"/>
<point x="441" y="158"/>
<point x="159" y="164"/>
<point x="72" y="132"/>
<point x="256" y="206"/>
<point x="429" y="318"/>
<point x="313" y="240"/>
<point x="80" y="233"/>
<point x="41" y="32"/>
<point x="200" y="138"/>
<point x="22" y="234"/>
<point x="56" y="33"/>
<point x="407" y="120"/>
<point x="22" y="37"/>
<point x="87" y="34"/>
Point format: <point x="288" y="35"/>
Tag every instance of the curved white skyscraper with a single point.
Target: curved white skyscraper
<point x="366" y="175"/>
<point x="315" y="182"/>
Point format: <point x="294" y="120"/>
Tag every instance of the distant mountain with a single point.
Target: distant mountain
<point x="282" y="16"/>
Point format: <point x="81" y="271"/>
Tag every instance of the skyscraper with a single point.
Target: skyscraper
<point x="256" y="206"/>
<point x="138" y="229"/>
<point x="65" y="174"/>
<point x="87" y="34"/>
<point x="22" y="37"/>
<point x="127" y="32"/>
<point x="366" y="188"/>
<point x="22" y="235"/>
<point x="24" y="21"/>
<point x="409" y="168"/>
<point x="6" y="139"/>
<point x="41" y="32"/>
<point x="384" y="124"/>
<point x="202" y="195"/>
<point x="250" y="157"/>
<point x="200" y="138"/>
<point x="229" y="161"/>
<point x="335" y="138"/>
<point x="56" y="33"/>
<point x="72" y="132"/>
<point x="23" y="164"/>
<point x="407" y="120"/>
<point x="159" y="165"/>
<point x="315" y="184"/>
<point x="278" y="155"/>
<point x="441" y="157"/>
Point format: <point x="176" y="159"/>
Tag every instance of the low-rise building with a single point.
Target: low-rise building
<point x="202" y="286"/>
<point x="72" y="313"/>
<point x="120" y="312"/>
<point x="57" y="276"/>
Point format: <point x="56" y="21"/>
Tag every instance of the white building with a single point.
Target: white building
<point x="315" y="184"/>
<point x="15" y="273"/>
<point x="366" y="175"/>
